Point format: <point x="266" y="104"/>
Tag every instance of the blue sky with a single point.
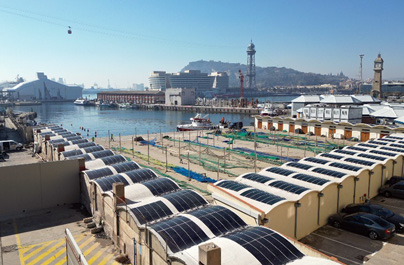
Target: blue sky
<point x="125" y="40"/>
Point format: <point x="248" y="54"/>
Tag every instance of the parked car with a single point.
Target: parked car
<point x="364" y="223"/>
<point x="378" y="210"/>
<point x="394" y="180"/>
<point x="10" y="145"/>
<point x="395" y="190"/>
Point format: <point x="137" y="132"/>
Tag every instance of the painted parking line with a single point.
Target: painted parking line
<point x="342" y="243"/>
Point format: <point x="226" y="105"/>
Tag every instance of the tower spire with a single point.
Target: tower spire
<point x="251" y="66"/>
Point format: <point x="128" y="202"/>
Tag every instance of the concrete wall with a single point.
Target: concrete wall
<point x="29" y="187"/>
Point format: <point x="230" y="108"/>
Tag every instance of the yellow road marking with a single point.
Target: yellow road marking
<point x="116" y="263"/>
<point x="88" y="241"/>
<point x="46" y="253"/>
<point x="90" y="249"/>
<point x="78" y="239"/>
<point x="106" y="259"/>
<point x="62" y="261"/>
<point x="95" y="257"/>
<point x="36" y="251"/>
<point x="17" y="237"/>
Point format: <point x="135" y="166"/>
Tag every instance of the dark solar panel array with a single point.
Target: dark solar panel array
<point x="310" y="179"/>
<point x="98" y="173"/>
<point x="296" y="189"/>
<point x="46" y="133"/>
<point x="345" y="166"/>
<point x="66" y="134"/>
<point x="185" y="199"/>
<point x="368" y="145"/>
<point x="394" y="137"/>
<point x="377" y="142"/>
<point x="357" y="148"/>
<point x="151" y="212"/>
<point x="398" y="150"/>
<point x="52" y="142"/>
<point x="87" y="144"/>
<point x="382" y="153"/>
<point x="359" y="162"/>
<point x="160" y="186"/>
<point x="85" y="156"/>
<point x="219" y="219"/>
<point x="232" y="185"/>
<point x="397" y="145"/>
<point x="378" y="158"/>
<point x="386" y="140"/>
<point x="280" y="171"/>
<point x="79" y="141"/>
<point x="299" y="165"/>
<point x="92" y="149"/>
<point x="106" y="182"/>
<point x="180" y="232"/>
<point x="110" y="160"/>
<point x="125" y="166"/>
<point x="72" y="153"/>
<point x="140" y="175"/>
<point x="75" y="137"/>
<point x="332" y="156"/>
<point x="316" y="160"/>
<point x="257" y="177"/>
<point x="345" y="152"/>
<point x="328" y="172"/>
<point x="262" y="196"/>
<point x="267" y="246"/>
<point x="103" y="153"/>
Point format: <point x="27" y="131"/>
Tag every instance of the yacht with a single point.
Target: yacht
<point x="197" y="123"/>
<point x="81" y="101"/>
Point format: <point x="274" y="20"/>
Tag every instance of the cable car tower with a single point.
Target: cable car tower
<point x="250" y="67"/>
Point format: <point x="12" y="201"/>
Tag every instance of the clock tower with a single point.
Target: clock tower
<point x="377" y="81"/>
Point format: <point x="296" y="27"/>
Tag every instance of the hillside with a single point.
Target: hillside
<point x="266" y="76"/>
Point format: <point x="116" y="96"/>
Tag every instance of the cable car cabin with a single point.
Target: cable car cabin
<point x="69" y="31"/>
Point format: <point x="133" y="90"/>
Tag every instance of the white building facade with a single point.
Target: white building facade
<point x="180" y="96"/>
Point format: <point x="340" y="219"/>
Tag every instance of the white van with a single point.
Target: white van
<point x="10" y="145"/>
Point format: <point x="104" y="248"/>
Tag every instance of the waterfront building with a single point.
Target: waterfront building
<point x="137" y="97"/>
<point x="352" y="114"/>
<point x="44" y="89"/>
<point x="221" y="80"/>
<point x="158" y="80"/>
<point x="180" y="96"/>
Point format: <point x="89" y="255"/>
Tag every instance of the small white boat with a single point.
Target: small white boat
<point x="267" y="111"/>
<point x="197" y="123"/>
<point x="81" y="101"/>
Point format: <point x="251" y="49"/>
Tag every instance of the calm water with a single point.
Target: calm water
<point x="117" y="120"/>
<point x="123" y="121"/>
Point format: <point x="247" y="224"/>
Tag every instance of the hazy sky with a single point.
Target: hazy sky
<point x="125" y="40"/>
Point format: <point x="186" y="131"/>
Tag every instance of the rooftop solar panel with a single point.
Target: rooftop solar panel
<point x="110" y="160"/>
<point x="397" y="145"/>
<point x="180" y="233"/>
<point x="53" y="142"/>
<point x="151" y="212"/>
<point x="125" y="166"/>
<point x="328" y="172"/>
<point x="141" y="175"/>
<point x="359" y="161"/>
<point x="280" y="171"/>
<point x="87" y="144"/>
<point x="185" y="199"/>
<point x="332" y="156"/>
<point x="386" y="140"/>
<point x="345" y="166"/>
<point x="382" y="153"/>
<point x="232" y="185"/>
<point x="398" y="150"/>
<point x="72" y="153"/>
<point x="316" y="160"/>
<point x="257" y="177"/>
<point x="106" y="182"/>
<point x="74" y="137"/>
<point x="377" y="142"/>
<point x="310" y="179"/>
<point x="345" y="152"/>
<point x="373" y="157"/>
<point x="355" y="148"/>
<point x="160" y="186"/>
<point x="299" y="165"/>
<point x="289" y="187"/>
<point x="92" y="149"/>
<point x="79" y="141"/>
<point x="85" y="156"/>
<point x="394" y="137"/>
<point x="368" y="145"/>
<point x="262" y="196"/>
<point x="103" y="153"/>
<point x="219" y="219"/>
<point x="267" y="246"/>
<point x="98" y="173"/>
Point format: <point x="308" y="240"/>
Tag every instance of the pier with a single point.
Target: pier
<point x="201" y="109"/>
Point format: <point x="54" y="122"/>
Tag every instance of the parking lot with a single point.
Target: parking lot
<point x="351" y="248"/>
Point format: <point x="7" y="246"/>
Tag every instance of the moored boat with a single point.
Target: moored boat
<point x="197" y="123"/>
<point x="81" y="101"/>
